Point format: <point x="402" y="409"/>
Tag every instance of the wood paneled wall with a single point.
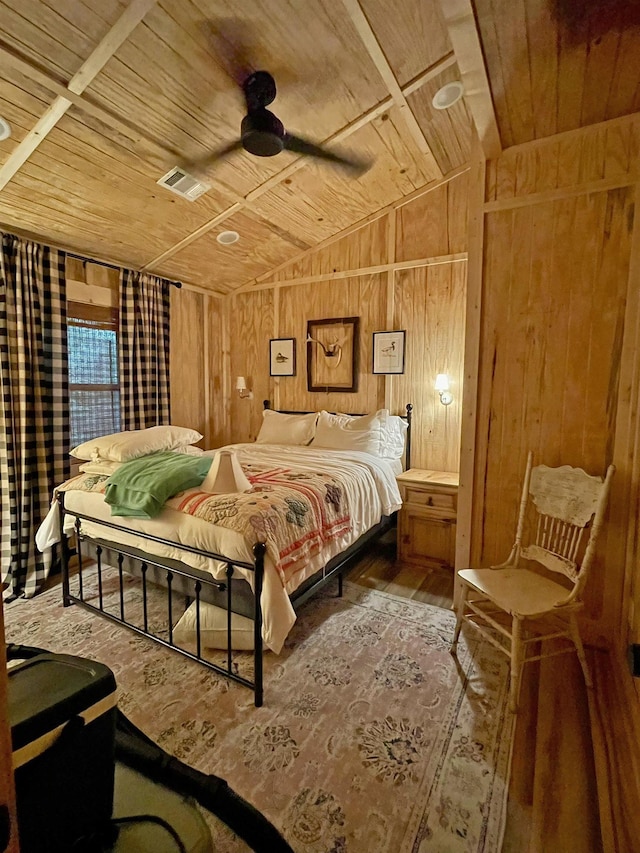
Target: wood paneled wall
<point x="188" y="359"/>
<point x="558" y="360"/>
<point x="91" y="283"/>
<point x="250" y="326"/>
<point x="364" y="247"/>
<point x="429" y="303"/>
<point x="405" y="269"/>
<point x="197" y="353"/>
<point x="361" y="296"/>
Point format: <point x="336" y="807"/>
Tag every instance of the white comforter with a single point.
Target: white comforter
<point x="368" y="481"/>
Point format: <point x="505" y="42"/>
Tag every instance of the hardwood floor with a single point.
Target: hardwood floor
<point x="379" y="569"/>
<point x="553" y="804"/>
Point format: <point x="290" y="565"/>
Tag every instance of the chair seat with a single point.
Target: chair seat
<point x="520" y="592"/>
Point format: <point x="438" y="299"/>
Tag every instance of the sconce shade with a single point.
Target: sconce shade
<point x="442" y="382"/>
<point x="241" y="383"/>
<point x="225" y="475"/>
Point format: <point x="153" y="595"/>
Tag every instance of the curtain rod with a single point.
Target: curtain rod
<point x="10" y="232"/>
<point x="114" y="267"/>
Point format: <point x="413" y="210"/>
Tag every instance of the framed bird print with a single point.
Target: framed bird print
<point x="332" y="354"/>
<point x="282" y="357"/>
<point x="388" y="352"/>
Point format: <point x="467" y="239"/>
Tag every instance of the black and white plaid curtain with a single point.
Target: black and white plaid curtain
<point x="143" y="350"/>
<point x="34" y="420"/>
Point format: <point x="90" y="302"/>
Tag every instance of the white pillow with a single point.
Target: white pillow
<point x="100" y="467"/>
<point x="393" y="431"/>
<point x="343" y="432"/>
<point x="278" y="428"/>
<point x="122" y="446"/>
<point x="189" y="450"/>
<point x="394" y="435"/>
<point x="213" y="628"/>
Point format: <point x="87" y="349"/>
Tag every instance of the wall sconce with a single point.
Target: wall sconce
<point x="442" y="387"/>
<point x="241" y="388"/>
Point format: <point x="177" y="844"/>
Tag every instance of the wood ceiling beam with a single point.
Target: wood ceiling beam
<point x="89" y="69"/>
<point x="372" y="45"/>
<point x="24" y="66"/>
<point x="429" y="73"/>
<point x="109" y="44"/>
<point x="455" y="258"/>
<point x="463" y="32"/>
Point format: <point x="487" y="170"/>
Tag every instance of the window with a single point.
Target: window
<point x="94" y="392"/>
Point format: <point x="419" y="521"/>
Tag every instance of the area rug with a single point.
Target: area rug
<point x="373" y="737"/>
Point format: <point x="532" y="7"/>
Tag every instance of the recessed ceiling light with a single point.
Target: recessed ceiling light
<point x="5" y="129"/>
<point x="228" y="237"/>
<point x="448" y="95"/>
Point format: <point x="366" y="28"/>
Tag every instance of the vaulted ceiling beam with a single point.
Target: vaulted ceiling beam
<point x="89" y="69"/>
<point x="372" y="45"/>
<point x="429" y="73"/>
<point x="156" y="151"/>
<point x="463" y="32"/>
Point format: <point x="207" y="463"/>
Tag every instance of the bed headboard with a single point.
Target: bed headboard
<point x="407" y="418"/>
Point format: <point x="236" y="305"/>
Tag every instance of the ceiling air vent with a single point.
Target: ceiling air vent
<point x="183" y="184"/>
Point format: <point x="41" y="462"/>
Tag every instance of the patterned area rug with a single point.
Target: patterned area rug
<point x="372" y="737"/>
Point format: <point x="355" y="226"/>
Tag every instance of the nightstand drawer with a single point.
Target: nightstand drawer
<point x="431" y="499"/>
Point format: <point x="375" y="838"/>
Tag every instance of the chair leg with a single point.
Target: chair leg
<point x="459" y="612"/>
<point x="516" y="663"/>
<point x="577" y="641"/>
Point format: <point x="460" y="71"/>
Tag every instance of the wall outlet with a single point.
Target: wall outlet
<point x="634" y="659"/>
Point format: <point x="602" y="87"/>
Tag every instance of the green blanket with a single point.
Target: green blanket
<point x="140" y="488"/>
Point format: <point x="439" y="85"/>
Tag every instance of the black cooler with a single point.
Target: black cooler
<point x="62" y="711"/>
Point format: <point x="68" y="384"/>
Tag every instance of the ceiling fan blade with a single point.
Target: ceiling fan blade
<point x="228" y="40"/>
<point x="355" y="165"/>
<point x="216" y="155"/>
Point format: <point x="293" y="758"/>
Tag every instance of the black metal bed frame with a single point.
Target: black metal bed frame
<point x="193" y="584"/>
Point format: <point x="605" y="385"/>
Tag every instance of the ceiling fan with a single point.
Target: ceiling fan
<point x="263" y="134"/>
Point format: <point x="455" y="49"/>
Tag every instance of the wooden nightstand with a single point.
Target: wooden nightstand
<point x="427" y="522"/>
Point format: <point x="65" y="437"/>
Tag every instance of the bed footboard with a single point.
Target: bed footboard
<point x="162" y="589"/>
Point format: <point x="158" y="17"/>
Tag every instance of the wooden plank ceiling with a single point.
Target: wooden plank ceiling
<point x="105" y="96"/>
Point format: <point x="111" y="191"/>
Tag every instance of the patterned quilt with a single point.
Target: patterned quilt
<point x="294" y="512"/>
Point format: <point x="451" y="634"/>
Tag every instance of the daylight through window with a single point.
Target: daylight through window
<point x="94" y="394"/>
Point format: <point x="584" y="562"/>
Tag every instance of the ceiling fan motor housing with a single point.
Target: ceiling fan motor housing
<point x="259" y="90"/>
<point x="262" y="133"/>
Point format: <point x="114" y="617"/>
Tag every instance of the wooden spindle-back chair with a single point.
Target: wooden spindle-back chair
<point x="521" y="601"/>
